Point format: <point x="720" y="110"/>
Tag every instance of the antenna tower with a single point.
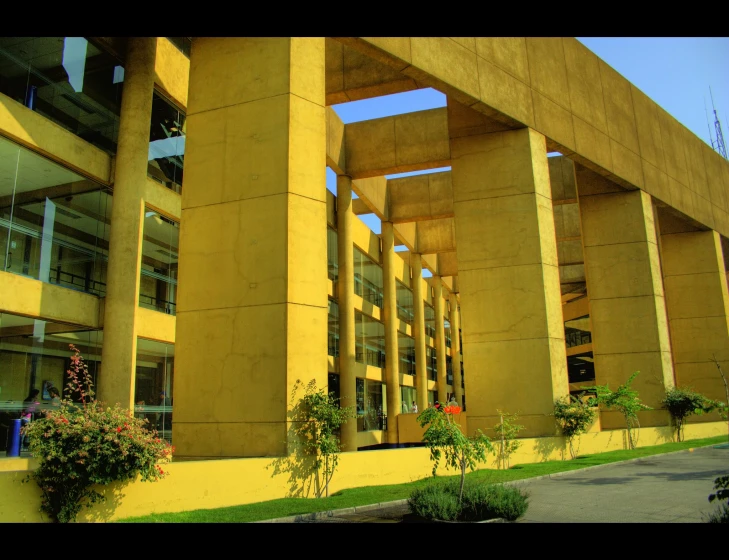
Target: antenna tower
<point x="717" y="144"/>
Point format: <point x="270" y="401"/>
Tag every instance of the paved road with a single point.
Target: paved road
<point x="670" y="488"/>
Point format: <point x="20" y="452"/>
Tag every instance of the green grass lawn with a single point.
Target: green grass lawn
<point x="286" y="507"/>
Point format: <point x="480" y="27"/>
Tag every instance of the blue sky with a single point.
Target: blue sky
<point x="676" y="72"/>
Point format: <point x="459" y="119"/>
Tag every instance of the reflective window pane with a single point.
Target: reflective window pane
<point x="369" y="340"/>
<point x="158" y="283"/>
<point x="406" y="353"/>
<point x="429" y="320"/>
<point x="332" y="255"/>
<point x="153" y="385"/>
<point x="367" y="278"/>
<point x="333" y="331"/>
<point x="404" y="296"/>
<point x="69" y="81"/>
<point x="54" y="223"/>
<point x="431" y="363"/>
<point x="371" y="405"/>
<point x="166" y="143"/>
<point x="408" y="398"/>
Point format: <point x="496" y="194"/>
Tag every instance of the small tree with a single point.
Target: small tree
<point x="723" y="407"/>
<point x="323" y="419"/>
<point x="574" y="417"/>
<point x="444" y="437"/>
<point x="682" y="403"/>
<point x="507" y="432"/>
<point x="81" y="444"/>
<point x="624" y="400"/>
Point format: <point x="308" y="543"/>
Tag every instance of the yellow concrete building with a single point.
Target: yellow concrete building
<point x="579" y="236"/>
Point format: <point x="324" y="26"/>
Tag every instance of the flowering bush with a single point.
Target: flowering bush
<point x="82" y="444"/>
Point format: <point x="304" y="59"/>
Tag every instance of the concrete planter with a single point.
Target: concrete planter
<point x="412" y="518"/>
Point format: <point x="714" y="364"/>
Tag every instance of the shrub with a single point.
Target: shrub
<point x="721" y="515"/>
<point x="82" y="444"/>
<point x="682" y="403"/>
<point x="479" y="503"/>
<point x="489" y="501"/>
<point x="624" y="400"/>
<point x="574" y="417"/>
<point x="435" y="501"/>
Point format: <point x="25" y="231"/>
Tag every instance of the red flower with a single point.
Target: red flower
<point x="118" y="429"/>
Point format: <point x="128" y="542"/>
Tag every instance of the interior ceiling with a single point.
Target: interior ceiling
<point x="24" y="171"/>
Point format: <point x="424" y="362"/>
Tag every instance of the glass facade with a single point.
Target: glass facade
<point x="404" y="296"/>
<point x="580" y="371"/>
<point x="369" y="340"/>
<point x="333" y="331"/>
<point x="367" y="278"/>
<point x="429" y="320"/>
<point x="332" y="254"/>
<point x="54" y="223"/>
<point x="431" y="363"/>
<point x="334" y="386"/>
<point x="432" y="397"/>
<point x="408" y="398"/>
<point x="67" y="80"/>
<point x="449" y="369"/>
<point x="34" y="357"/>
<point x="166" y="143"/>
<point x="153" y="385"/>
<point x="158" y="282"/>
<point x="447" y="332"/>
<point x="406" y="353"/>
<point x="578" y="331"/>
<point x="371" y="405"/>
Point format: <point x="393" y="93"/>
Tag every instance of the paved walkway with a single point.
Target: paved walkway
<point x="668" y="488"/>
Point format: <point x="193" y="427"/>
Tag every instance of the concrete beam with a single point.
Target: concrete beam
<point x="421" y="197"/>
<point x="352" y="75"/>
<point x="399" y="144"/>
<point x="373" y="194"/>
<point x="584" y="108"/>
<point x="447" y="264"/>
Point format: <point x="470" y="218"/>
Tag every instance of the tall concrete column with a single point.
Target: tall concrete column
<point x="392" y="372"/>
<point x="119" y="351"/>
<point x="698" y="308"/>
<point x="252" y="305"/>
<point x="508" y="278"/>
<point x="345" y="291"/>
<point x="455" y="321"/>
<point x="440" y="344"/>
<point x="421" y="372"/>
<point x="627" y="307"/>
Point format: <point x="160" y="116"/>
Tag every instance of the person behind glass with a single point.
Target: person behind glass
<point x="28" y="414"/>
<point x="453" y="401"/>
<point x="55" y="397"/>
<point x="414" y="408"/>
<point x="164" y="418"/>
<point x="405" y="409"/>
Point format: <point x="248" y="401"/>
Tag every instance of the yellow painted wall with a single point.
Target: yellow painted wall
<point x="220" y="483"/>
